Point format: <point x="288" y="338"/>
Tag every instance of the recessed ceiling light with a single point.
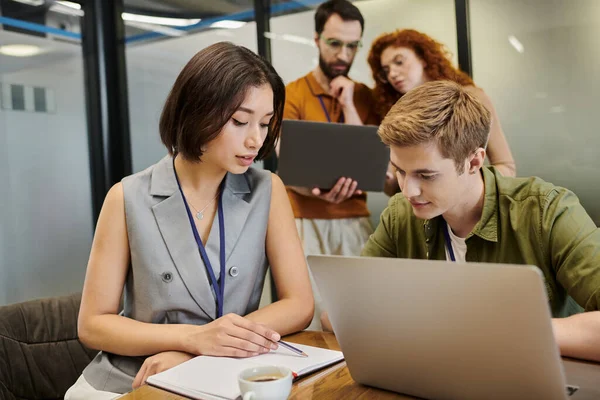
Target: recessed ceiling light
<point x="70" y="4"/>
<point x="159" y="20"/>
<point x="67" y="8"/>
<point x="34" y="3"/>
<point x="228" y="24"/>
<point x="20" y="50"/>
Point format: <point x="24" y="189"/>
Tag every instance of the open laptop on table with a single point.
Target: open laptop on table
<point x="441" y="330"/>
<point x="317" y="154"/>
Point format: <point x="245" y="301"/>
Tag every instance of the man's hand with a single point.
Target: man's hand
<point x="342" y="191"/>
<point x="342" y="89"/>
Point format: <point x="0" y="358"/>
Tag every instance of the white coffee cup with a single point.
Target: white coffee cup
<point x="265" y="383"/>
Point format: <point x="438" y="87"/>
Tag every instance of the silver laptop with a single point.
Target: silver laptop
<point x="440" y="330"/>
<point x="317" y="154"/>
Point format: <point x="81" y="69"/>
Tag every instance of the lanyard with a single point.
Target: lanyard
<point x="323" y="104"/>
<point x="327" y="113"/>
<point x="448" y="241"/>
<point x="217" y="285"/>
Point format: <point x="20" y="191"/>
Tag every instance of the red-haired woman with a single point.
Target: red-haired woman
<point x="405" y="59"/>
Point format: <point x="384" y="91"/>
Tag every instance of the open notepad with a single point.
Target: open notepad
<point x="210" y="378"/>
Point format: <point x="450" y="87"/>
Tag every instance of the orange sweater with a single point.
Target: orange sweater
<point x="302" y="102"/>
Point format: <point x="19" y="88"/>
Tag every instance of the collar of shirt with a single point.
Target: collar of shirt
<point x="487" y="227"/>
<point x="315" y="87"/>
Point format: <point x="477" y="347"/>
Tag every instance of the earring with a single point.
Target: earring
<point x="473" y="172"/>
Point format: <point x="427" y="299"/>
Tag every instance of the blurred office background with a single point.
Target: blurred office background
<point x="69" y="129"/>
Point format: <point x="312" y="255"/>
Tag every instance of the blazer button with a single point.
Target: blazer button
<point x="167" y="277"/>
<point x="233" y="271"/>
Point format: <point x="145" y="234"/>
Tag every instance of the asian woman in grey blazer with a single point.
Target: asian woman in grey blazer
<point x="188" y="241"/>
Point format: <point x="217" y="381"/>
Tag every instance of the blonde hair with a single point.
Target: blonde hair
<point x="442" y="112"/>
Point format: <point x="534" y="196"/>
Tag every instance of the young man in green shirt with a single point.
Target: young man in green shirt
<point x="452" y="207"/>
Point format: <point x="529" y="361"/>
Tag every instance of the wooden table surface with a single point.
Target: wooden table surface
<point x="335" y="381"/>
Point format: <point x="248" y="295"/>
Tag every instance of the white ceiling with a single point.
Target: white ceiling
<point x="53" y="51"/>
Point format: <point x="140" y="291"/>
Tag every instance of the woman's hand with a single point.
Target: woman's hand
<point x="230" y="336"/>
<point x="159" y="363"/>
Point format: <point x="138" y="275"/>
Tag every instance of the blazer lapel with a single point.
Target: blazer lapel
<point x="236" y="209"/>
<point x="174" y="225"/>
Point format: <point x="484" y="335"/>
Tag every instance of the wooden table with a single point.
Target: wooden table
<point x="335" y="382"/>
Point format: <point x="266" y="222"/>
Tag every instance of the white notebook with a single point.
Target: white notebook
<point x="205" y="377"/>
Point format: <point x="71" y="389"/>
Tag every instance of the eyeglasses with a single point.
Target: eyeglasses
<point x="337" y="45"/>
<point x="384" y="72"/>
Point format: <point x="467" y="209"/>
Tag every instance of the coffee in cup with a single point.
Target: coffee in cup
<point x="265" y="378"/>
<point x="265" y="383"/>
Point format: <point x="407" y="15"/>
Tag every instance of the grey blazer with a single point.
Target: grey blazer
<point x="167" y="282"/>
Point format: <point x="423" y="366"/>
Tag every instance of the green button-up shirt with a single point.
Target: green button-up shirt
<point x="524" y="221"/>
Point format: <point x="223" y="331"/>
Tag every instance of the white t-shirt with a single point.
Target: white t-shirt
<point x="459" y="246"/>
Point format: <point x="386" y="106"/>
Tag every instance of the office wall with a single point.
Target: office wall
<point x="45" y="210"/>
<point x="4" y="205"/>
<point x="545" y="86"/>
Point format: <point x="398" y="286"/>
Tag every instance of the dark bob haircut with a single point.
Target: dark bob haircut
<point x="346" y="10"/>
<point x="209" y="89"/>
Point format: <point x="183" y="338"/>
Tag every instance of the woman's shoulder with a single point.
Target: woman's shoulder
<point x="475" y="91"/>
<point x="261" y="180"/>
<point x="255" y="183"/>
<point x="158" y="178"/>
<point x="479" y="93"/>
<point x="146" y="174"/>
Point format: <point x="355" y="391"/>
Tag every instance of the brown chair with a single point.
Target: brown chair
<point x="40" y="354"/>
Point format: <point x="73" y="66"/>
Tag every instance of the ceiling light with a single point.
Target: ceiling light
<point x="516" y="44"/>
<point x="20" y="50"/>
<point x="228" y="24"/>
<point x="31" y="2"/>
<point x="67" y="8"/>
<point x="164" y="30"/>
<point x="159" y="20"/>
<point x="290" y="38"/>
<point x="69" y="4"/>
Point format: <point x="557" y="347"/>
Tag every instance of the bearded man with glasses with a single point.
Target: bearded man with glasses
<point x="335" y="222"/>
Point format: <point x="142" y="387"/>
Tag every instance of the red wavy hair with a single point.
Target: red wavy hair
<point x="435" y="55"/>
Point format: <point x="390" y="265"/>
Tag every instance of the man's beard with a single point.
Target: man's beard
<point x="330" y="72"/>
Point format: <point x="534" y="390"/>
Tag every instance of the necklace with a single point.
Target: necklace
<point x="200" y="214"/>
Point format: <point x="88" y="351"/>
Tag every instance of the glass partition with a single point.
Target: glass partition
<point x="45" y="207"/>
<point x="538" y="61"/>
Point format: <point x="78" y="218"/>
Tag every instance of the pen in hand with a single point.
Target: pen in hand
<point x="292" y="348"/>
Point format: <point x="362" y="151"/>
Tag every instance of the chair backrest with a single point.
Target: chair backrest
<point x="40" y="353"/>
